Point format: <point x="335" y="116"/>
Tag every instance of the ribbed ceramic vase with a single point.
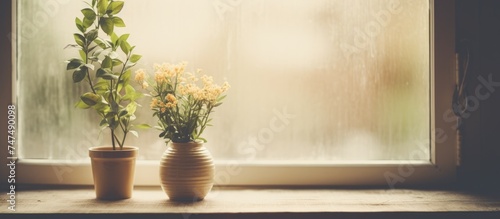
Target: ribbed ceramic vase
<point x="186" y="171"/>
<point x="113" y="171"/>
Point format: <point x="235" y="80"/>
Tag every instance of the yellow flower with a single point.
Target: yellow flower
<point x="145" y="85"/>
<point x="160" y="77"/>
<point x="207" y="80"/>
<point x="139" y="76"/>
<point x="225" y="86"/>
<point x="154" y="103"/>
<point x="171" y="105"/>
<point x="191" y="77"/>
<point x="182" y="89"/>
<point x="163" y="109"/>
<point x="171" y="98"/>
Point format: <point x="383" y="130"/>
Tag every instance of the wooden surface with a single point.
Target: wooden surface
<point x="259" y="202"/>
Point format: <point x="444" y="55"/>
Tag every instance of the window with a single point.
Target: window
<point x="324" y="92"/>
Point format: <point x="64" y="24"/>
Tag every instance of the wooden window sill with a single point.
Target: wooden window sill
<point x="249" y="202"/>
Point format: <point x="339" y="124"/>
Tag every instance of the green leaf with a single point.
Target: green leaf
<point x="163" y="134"/>
<point x="119" y="87"/>
<point x="125" y="120"/>
<point x="220" y="98"/>
<point x="102" y="107"/>
<point x="113" y="55"/>
<point x="107" y="62"/>
<point x="129" y="65"/>
<point x="82" y="54"/>
<point x="103" y="91"/>
<point x="126" y="76"/>
<point x="115" y="7"/>
<point x="109" y="42"/>
<point x="89" y="13"/>
<point x="91" y="35"/>
<point x="117" y="62"/>
<point x="90" y="98"/>
<point x="101" y="84"/>
<point x="72" y="45"/>
<point x="103" y="123"/>
<point x="114" y="107"/>
<point x="89" y="17"/>
<point x="124" y="37"/>
<point x="134" y="133"/>
<point x="204" y="140"/>
<point x="78" y="21"/>
<point x="125" y="47"/>
<point x="143" y="126"/>
<point x="100" y="72"/>
<point x="109" y="77"/>
<point x="106" y="74"/>
<point x="134" y="58"/>
<point x="87" y="22"/>
<point x="79" y="74"/>
<point x="102" y="6"/>
<point x="79" y="25"/>
<point x="132" y="117"/>
<point x="93" y="58"/>
<point x="79" y="39"/>
<point x="131" y="107"/>
<point x="123" y="113"/>
<point x="90" y="66"/>
<point x="129" y="89"/>
<point x="121" y="39"/>
<point x="112" y="123"/>
<point x="80" y="104"/>
<point x="93" y="3"/>
<point x="102" y="43"/>
<point x="74" y="63"/>
<point x="114" y="38"/>
<point x="110" y="114"/>
<point x="92" y="48"/>
<point x="118" y="22"/>
<point x="107" y="25"/>
<point x="98" y="52"/>
<point x="130" y="93"/>
<point x="132" y="96"/>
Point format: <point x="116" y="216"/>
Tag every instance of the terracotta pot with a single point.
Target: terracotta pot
<point x="186" y="171"/>
<point x="113" y="171"/>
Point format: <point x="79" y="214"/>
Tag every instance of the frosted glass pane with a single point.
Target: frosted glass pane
<point x="315" y="80"/>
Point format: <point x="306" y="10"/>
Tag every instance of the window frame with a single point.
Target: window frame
<point x="440" y="169"/>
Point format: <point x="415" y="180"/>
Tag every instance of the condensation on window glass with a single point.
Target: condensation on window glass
<point x="324" y="80"/>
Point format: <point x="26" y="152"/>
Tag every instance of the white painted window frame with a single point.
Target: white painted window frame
<point x="440" y="169"/>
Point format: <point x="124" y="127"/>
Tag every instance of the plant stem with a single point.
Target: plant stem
<point x="87" y="70"/>
<point x="125" y="131"/>
<point x="113" y="138"/>
<point x="117" y="140"/>
<point x="121" y="73"/>
<point x="204" y="121"/>
<point x="123" y="141"/>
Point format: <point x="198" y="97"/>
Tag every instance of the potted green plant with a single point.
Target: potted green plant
<point x="104" y="67"/>
<point x="183" y="110"/>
